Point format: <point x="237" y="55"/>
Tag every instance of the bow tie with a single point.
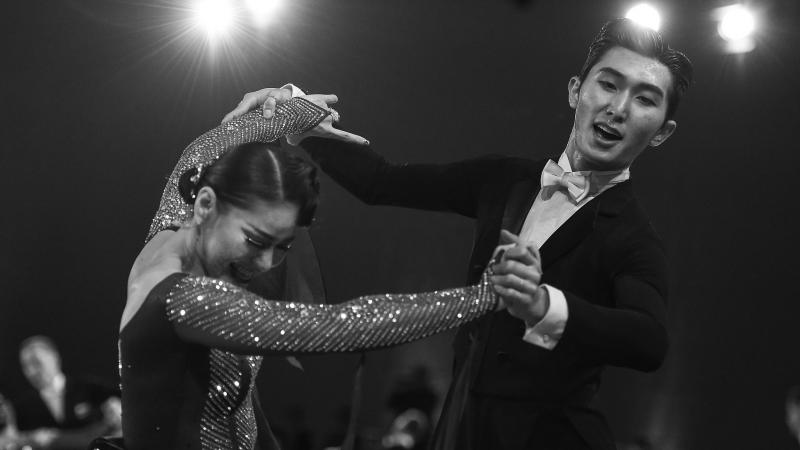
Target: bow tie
<point x="575" y="183"/>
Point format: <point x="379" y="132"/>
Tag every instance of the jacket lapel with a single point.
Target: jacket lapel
<point x="520" y="199"/>
<point x="519" y="202"/>
<point x="610" y="203"/>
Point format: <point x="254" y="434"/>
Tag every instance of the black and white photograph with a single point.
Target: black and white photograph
<point x="400" y="225"/>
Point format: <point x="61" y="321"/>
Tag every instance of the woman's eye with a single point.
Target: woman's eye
<point x="255" y="243"/>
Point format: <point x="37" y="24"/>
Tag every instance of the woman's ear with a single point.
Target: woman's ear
<point x="205" y="204"/>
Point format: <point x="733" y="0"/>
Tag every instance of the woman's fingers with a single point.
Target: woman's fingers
<point x="347" y="137"/>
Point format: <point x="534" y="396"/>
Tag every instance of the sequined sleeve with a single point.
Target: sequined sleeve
<point x="220" y="315"/>
<point x="293" y="117"/>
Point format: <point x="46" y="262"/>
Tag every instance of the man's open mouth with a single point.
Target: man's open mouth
<point x="606" y="132"/>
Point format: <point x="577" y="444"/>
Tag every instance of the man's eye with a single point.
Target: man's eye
<point x="607" y="85"/>
<point x="647" y="101"/>
<point x="284" y="247"/>
<point x="255" y="243"/>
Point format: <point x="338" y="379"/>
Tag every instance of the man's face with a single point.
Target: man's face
<point x="620" y="109"/>
<point x="40" y="365"/>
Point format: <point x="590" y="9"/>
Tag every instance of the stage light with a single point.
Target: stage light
<point x="645" y="15"/>
<point x="736" y="26"/>
<point x="737" y="23"/>
<point x="213" y="16"/>
<point x="262" y="10"/>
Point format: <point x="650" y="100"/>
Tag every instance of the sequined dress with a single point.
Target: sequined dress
<point x="190" y="354"/>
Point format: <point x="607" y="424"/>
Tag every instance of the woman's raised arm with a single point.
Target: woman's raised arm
<point x="295" y="116"/>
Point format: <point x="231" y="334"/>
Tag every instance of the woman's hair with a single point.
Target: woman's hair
<point x="646" y="42"/>
<point x="255" y="171"/>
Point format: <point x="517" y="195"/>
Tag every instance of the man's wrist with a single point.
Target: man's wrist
<point x="540" y="307"/>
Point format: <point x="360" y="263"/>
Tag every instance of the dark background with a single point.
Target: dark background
<point x="98" y="99"/>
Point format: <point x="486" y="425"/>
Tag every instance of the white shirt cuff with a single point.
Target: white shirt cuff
<point x="547" y="332"/>
<point x="296" y="91"/>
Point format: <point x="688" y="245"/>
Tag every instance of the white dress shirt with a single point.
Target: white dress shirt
<point x="551" y="208"/>
<point x="53" y="397"/>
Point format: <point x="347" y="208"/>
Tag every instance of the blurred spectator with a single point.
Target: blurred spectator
<point x="411" y="401"/>
<point x="61" y="412"/>
<point x="8" y="426"/>
<point x="793" y="412"/>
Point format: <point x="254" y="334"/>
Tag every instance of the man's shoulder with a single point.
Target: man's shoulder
<point x="508" y="168"/>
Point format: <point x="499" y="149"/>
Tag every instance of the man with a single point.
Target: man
<point x="585" y="280"/>
<point x="61" y="412"/>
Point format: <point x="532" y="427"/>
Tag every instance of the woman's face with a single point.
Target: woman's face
<point x="236" y="244"/>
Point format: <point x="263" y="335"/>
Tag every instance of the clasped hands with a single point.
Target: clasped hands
<point x="268" y="99"/>
<point x="517" y="271"/>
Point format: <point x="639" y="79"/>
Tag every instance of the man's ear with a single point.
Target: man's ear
<point x="205" y="204"/>
<point x="663" y="133"/>
<point x="574" y="90"/>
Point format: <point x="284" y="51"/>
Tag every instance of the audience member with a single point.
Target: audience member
<point x="61" y="412"/>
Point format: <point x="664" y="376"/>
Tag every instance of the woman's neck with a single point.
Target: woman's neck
<point x="187" y="250"/>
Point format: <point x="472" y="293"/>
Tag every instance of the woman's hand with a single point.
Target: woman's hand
<point x="325" y="128"/>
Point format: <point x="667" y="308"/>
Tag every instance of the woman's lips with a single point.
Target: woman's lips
<point x="241" y="273"/>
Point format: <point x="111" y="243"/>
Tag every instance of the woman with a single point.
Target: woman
<point x="188" y="320"/>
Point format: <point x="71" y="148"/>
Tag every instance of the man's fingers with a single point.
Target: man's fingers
<point x="330" y="99"/>
<point x="534" y="250"/>
<point x="522" y="254"/>
<point x="268" y="108"/>
<point x="507" y="237"/>
<point x="511" y="267"/>
<point x="245" y="105"/>
<point x="274" y="97"/>
<point x="253" y="100"/>
<point x="499" y="252"/>
<point x="511" y="281"/>
<point x="510" y="297"/>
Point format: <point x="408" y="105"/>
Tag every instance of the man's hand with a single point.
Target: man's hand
<point x="42" y="437"/>
<point x="269" y="98"/>
<point x="517" y="272"/>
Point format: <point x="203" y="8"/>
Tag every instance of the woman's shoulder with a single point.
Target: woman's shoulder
<point x="152" y="285"/>
<point x="155" y="270"/>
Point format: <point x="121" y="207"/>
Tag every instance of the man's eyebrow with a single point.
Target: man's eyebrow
<point x="642" y="85"/>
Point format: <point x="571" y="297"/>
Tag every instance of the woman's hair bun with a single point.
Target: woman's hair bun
<point x="188" y="185"/>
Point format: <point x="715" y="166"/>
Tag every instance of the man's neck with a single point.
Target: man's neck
<point x="579" y="163"/>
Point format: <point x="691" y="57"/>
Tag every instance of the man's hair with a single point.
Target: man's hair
<point x="646" y="42"/>
<point x="40" y="341"/>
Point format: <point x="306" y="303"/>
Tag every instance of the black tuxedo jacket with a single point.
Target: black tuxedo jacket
<point x="606" y="259"/>
<point x="83" y="417"/>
